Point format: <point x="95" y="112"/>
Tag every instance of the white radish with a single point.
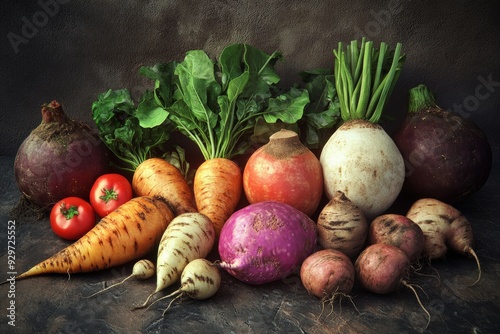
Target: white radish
<point x="200" y="280"/>
<point x="142" y="270"/>
<point x="360" y="158"/>
<point x="342" y="226"/>
<point x="189" y="236"/>
<point x="443" y="226"/>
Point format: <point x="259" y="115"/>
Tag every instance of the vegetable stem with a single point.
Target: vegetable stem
<point x="363" y="85"/>
<point x="421" y="98"/>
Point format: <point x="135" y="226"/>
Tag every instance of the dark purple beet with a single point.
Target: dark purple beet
<point x="60" y="158"/>
<point x="446" y="156"/>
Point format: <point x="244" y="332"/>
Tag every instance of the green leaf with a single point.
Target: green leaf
<point x="288" y="107"/>
<point x="149" y="113"/>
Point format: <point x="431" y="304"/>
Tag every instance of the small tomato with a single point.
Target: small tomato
<point x="109" y="192"/>
<point x="72" y="217"/>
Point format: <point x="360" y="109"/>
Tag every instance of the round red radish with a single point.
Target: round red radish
<point x="400" y="231"/>
<point x="286" y="171"/>
<point x="326" y="273"/>
<point x="381" y="268"/>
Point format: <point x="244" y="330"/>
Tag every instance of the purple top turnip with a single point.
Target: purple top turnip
<point x="265" y="242"/>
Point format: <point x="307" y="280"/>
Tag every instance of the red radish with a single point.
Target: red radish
<point x="265" y="242"/>
<point x="447" y="157"/>
<point x="382" y="269"/>
<point x="60" y="158"/>
<point x="443" y="226"/>
<point x="342" y="226"/>
<point x="284" y="170"/>
<point x="327" y="274"/>
<point x="400" y="231"/>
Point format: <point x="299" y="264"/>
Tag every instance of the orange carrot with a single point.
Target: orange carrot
<point x="158" y="177"/>
<point x="128" y="233"/>
<point x="218" y="184"/>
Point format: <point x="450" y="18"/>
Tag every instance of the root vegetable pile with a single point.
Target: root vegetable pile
<point x="231" y="107"/>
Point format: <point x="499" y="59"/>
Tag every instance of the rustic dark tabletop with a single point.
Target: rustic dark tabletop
<point x="56" y="304"/>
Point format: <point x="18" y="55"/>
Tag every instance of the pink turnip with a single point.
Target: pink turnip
<point x="265" y="242"/>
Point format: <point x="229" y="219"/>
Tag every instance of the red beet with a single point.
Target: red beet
<point x="60" y="158"/>
<point x="446" y="156"/>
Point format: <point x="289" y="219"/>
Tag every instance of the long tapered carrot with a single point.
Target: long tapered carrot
<point x="158" y="177"/>
<point x="128" y="233"/>
<point x="218" y="185"/>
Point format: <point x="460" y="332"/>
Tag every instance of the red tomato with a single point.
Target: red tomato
<point x="109" y="192"/>
<point x="72" y="217"/>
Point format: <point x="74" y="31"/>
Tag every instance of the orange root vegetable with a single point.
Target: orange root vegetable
<point x="128" y="233"/>
<point x="218" y="185"/>
<point x="158" y="177"/>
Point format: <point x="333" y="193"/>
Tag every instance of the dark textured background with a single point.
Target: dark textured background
<point x="83" y="48"/>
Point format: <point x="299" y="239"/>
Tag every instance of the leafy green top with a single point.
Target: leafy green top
<point x="217" y="104"/>
<point x="365" y="78"/>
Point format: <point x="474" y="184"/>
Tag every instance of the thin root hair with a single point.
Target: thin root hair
<point x="411" y="287"/>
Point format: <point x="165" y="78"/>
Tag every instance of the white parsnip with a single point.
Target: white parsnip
<point x="189" y="236"/>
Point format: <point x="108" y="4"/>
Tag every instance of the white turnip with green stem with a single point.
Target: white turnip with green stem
<point x="360" y="158"/>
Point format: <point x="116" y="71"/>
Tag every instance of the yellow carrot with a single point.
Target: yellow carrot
<point x="130" y="232"/>
<point x="157" y="177"/>
<point x="218" y="184"/>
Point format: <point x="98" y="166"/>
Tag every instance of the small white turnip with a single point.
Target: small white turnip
<point x="200" y="280"/>
<point x="142" y="270"/>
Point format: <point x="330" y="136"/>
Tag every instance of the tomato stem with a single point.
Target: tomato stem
<point x="70" y="212"/>
<point x="109" y="194"/>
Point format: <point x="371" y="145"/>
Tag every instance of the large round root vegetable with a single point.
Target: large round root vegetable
<point x="400" y="231"/>
<point x="60" y="158"/>
<point x="342" y="226"/>
<point x="265" y="242"/>
<point x="361" y="160"/>
<point x="284" y="170"/>
<point x="327" y="274"/>
<point x="447" y="156"/>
